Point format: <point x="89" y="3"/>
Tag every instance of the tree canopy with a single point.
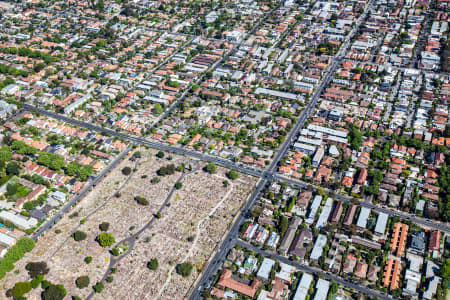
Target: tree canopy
<point x="105" y="239"/>
<point x="185" y="269"/>
<point x="153" y="264"/>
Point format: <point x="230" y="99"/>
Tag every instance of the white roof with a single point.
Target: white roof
<point x="303" y="287"/>
<point x="315" y="206"/>
<point x="285" y="272"/>
<point x="266" y="267"/>
<point x="381" y="223"/>
<point x="276" y="93"/>
<point x="322" y="287"/>
<point x="363" y="216"/>
<point x="18" y="220"/>
<point x="305" y="140"/>
<point x="6" y="239"/>
<point x="306" y="147"/>
<point x="322" y="221"/>
<point x="318" y="246"/>
<point x="327" y="130"/>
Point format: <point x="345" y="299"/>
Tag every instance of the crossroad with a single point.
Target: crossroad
<point x="265" y="176"/>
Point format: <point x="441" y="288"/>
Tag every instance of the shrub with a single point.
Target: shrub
<point x="15" y="253"/>
<point x="98" y="287"/>
<point x="37" y="281"/>
<point x="21" y="288"/>
<point x="155" y="180"/>
<point x="153" y="264"/>
<point x="167" y="170"/>
<point x="160" y="154"/>
<point x="126" y="171"/>
<point x="88" y="259"/>
<point x="105" y="239"/>
<point x="141" y="200"/>
<point x="37" y="268"/>
<point x="79" y="235"/>
<point x="211" y="168"/>
<point x="185" y="269"/>
<point x="115" y="252"/>
<point x="109" y="279"/>
<point x="104" y="226"/>
<point x="178" y="185"/>
<point x="54" y="292"/>
<point x="76" y="298"/>
<point x="82" y="282"/>
<point x="158" y="215"/>
<point x="232" y="174"/>
<point x="45" y="284"/>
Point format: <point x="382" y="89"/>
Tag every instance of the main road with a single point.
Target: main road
<point x="229" y="242"/>
<point x="265" y="176"/>
<point x="268" y="174"/>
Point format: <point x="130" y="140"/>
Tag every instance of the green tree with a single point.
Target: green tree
<point x="79" y="235"/>
<point x="88" y="259"/>
<point x="21" y="288"/>
<point x="15" y="253"/>
<point x="158" y="109"/>
<point x="12" y="168"/>
<point x="5" y="154"/>
<point x="104" y="226"/>
<point x="51" y="160"/>
<point x="73" y="168"/>
<point x="185" y="269"/>
<point x="105" y="239"/>
<point x="232" y="174"/>
<point x="153" y="264"/>
<point x="445" y="272"/>
<point x="37" y="268"/>
<point x="126" y="171"/>
<point x="211" y="168"/>
<point x="284" y="223"/>
<point x="54" y="292"/>
<point x="37" y="281"/>
<point x="98" y="287"/>
<point x="82" y="282"/>
<point x="356" y="138"/>
<point x="85" y="172"/>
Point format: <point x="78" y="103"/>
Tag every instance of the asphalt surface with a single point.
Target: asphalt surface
<point x="230" y="239"/>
